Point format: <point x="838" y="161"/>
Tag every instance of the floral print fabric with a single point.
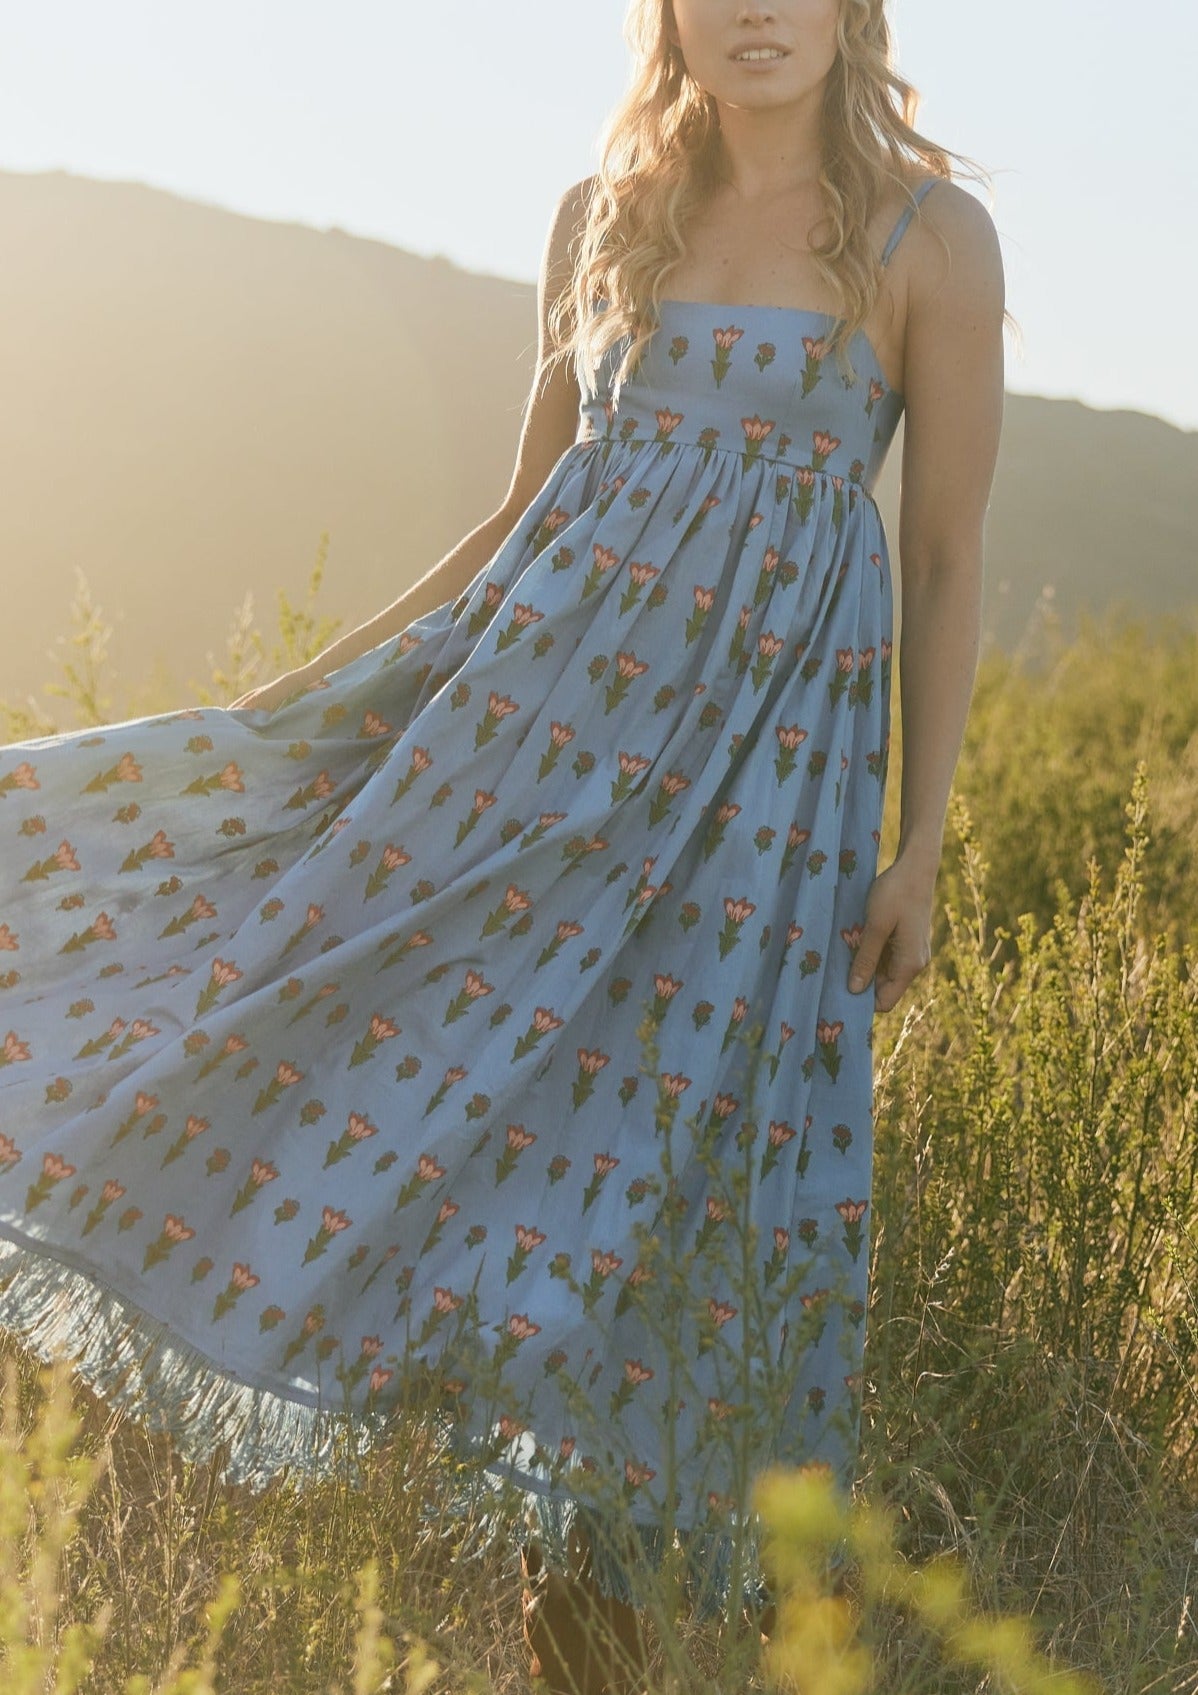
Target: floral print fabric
<point x="477" y="1024"/>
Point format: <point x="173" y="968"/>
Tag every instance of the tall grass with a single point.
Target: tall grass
<point x="1029" y="1492"/>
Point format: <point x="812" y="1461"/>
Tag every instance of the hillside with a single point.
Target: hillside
<point x="194" y="396"/>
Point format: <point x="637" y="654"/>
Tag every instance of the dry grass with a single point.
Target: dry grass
<point x="1032" y="1339"/>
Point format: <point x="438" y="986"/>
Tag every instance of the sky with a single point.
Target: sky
<point x="452" y="128"/>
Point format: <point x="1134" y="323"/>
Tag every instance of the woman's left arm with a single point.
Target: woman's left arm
<point x="953" y="384"/>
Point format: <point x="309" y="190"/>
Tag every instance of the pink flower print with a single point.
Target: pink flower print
<point x="851" y="937"/>
<point x="332" y="1222"/>
<point x="548" y="528"/>
<point x="515" y="902"/>
<point x="603" y="1264"/>
<point x="667" y="423"/>
<point x="527" y="1240"/>
<point x="158" y="847"/>
<point x="286" y="1077"/>
<point x="379" y="1378"/>
<point x="521" y="1327"/>
<point x="544" y="1021"/>
<point x="241" y="1280"/>
<point x="827" y="1036"/>
<point x="666" y="986"/>
<point x="769" y="646"/>
<point x="636" y="1476"/>
<point x="862" y="687"/>
<point x="845" y="661"/>
<point x="22" y="776"/>
<point x="64" y="856"/>
<point x="499" y="707"/>
<point x="173" y="1233"/>
<point x="320" y="788"/>
<point x="232" y="780"/>
<point x="604" y="559"/>
<point x="9" y="1152"/>
<point x="825" y="446"/>
<point x="628" y="669"/>
<point x="358" y="1129"/>
<point x="720" y="1313"/>
<point x="815" y="349"/>
<point x="483" y="801"/>
<point x="736" y="912"/>
<point x="757" y="430"/>
<point x="704" y="599"/>
<point x="640" y="574"/>
<point x="10" y="942"/>
<point x="790" y="739"/>
<point x="445" y="1301"/>
<point x="780" y="1133"/>
<point x="523" y="617"/>
<point x="223" y="972"/>
<point x="427" y="1169"/>
<point x="14" y="1050"/>
<point x="392" y="860"/>
<point x="373" y="725"/>
<point x="669" y="788"/>
<point x="725" y="340"/>
<point x="631" y="766"/>
<point x="380" y="1030"/>
<point x="852" y="1212"/>
<point x="200" y="909"/>
<point x="876" y="391"/>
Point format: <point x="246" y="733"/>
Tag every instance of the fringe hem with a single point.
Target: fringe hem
<point x="255" y="1435"/>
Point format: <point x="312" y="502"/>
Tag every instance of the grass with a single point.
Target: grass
<point x="1027" y="1513"/>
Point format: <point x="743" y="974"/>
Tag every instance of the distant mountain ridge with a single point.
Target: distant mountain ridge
<point x="193" y="396"/>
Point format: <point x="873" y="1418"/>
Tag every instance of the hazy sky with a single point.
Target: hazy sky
<point x="452" y="127"/>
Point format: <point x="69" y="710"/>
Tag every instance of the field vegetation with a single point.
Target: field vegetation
<point x="1027" y="1513"/>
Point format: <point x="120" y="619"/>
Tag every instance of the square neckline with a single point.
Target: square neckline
<point x="744" y="306"/>
<point x="896" y="234"/>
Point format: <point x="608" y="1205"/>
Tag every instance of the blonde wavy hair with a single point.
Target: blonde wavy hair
<point x="660" y="156"/>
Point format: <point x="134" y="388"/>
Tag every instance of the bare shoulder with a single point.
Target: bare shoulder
<point x="953" y="260"/>
<point x="565" y="230"/>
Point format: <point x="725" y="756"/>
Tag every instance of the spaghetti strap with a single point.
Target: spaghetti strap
<point x="896" y="234"/>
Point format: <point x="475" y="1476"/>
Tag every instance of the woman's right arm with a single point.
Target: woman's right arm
<point x="549" y="426"/>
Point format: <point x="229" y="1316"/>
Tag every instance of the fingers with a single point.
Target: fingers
<point x="888" y="958"/>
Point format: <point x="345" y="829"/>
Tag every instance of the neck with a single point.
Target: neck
<point x="764" y="154"/>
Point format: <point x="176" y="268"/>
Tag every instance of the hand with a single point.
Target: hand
<point x="896" y="939"/>
<point x="267" y="696"/>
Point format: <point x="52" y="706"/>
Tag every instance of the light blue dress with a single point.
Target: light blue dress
<point x="472" y="1033"/>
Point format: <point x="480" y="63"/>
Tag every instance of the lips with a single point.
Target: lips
<point x="759" y="47"/>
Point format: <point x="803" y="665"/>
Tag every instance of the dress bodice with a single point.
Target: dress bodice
<point x="759" y="381"/>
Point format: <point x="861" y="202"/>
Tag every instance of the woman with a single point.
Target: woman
<point x="582" y="831"/>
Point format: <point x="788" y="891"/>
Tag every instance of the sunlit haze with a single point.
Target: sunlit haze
<point x="452" y="128"/>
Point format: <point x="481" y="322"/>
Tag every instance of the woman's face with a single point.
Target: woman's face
<point x="715" y="35"/>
